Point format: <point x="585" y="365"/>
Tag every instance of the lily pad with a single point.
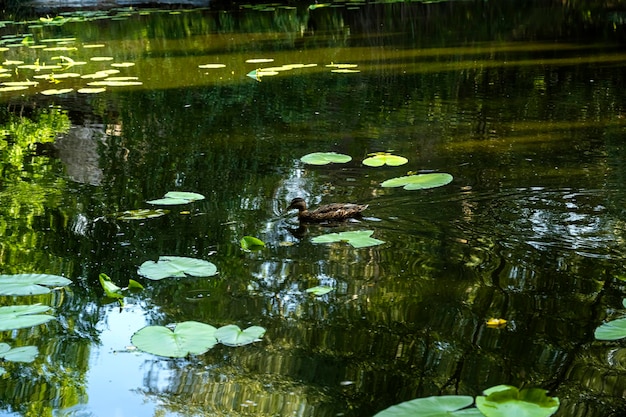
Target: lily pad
<point x="506" y="401"/>
<point x="141" y="214"/>
<point x="319" y="290"/>
<point x="23" y="316"/>
<point x="177" y="197"/>
<point x="250" y="243"/>
<point x="358" y="239"/>
<point x="419" y="181"/>
<point x="612" y="330"/>
<point x="54" y="92"/>
<point x="19" y="354"/>
<point x="212" y="66"/>
<point x="441" y="406"/>
<point x="30" y="284"/>
<point x="189" y="337"/>
<point x="384" y="158"/>
<point x="324" y="158"/>
<point x="232" y="335"/>
<point x="176" y="266"/>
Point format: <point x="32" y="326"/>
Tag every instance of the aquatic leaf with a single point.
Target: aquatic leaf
<point x="358" y="239"/>
<point x="232" y="335"/>
<point x="19" y="354"/>
<point x="419" y="182"/>
<point x="259" y="60"/>
<point x="188" y="338"/>
<point x="141" y="214"/>
<point x="612" y="330"/>
<point x="108" y="83"/>
<point x="23" y="316"/>
<point x="439" y="406"/>
<point x="123" y="64"/>
<point x="94" y="45"/>
<point x="54" y="92"/>
<point x="177" y="197"/>
<point x="13" y="88"/>
<point x="110" y="289"/>
<point x="342" y="66"/>
<point x="176" y="266"/>
<point x="92" y="90"/>
<point x="319" y="290"/>
<point x="30" y="284"/>
<point x="20" y="83"/>
<point x="250" y="243"/>
<point x="323" y="158"/>
<point x="134" y="285"/>
<point x="506" y="401"/>
<point x="345" y="71"/>
<point x="212" y="66"/>
<point x="101" y="58"/>
<point x="384" y="158"/>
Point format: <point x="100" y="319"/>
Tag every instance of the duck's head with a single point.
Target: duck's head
<point x="297" y="203"/>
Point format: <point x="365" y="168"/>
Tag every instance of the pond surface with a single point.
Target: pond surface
<point x="523" y="106"/>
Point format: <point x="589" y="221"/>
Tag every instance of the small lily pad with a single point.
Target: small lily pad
<point x="30" y="284"/>
<point x="324" y="158"/>
<point x="612" y="330"/>
<point x="319" y="290"/>
<point x="24" y="354"/>
<point x="23" y="316"/>
<point x="176" y="267"/>
<point x="419" y="181"/>
<point x="506" y="401"/>
<point x="384" y="158"/>
<point x="250" y="243"/>
<point x="55" y="92"/>
<point x="232" y="335"/>
<point x="440" y="406"/>
<point x="177" y="197"/>
<point x="141" y="214"/>
<point x="358" y="239"/>
<point x="189" y="337"/>
<point x="212" y="66"/>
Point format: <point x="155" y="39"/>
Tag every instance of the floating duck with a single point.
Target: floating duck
<point x="327" y="213"/>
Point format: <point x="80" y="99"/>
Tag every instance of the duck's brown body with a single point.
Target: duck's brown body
<point x="327" y="213"/>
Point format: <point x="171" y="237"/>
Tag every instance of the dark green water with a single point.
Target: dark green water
<point x="524" y="106"/>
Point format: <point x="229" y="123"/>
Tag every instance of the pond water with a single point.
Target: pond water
<point x="523" y="106"/>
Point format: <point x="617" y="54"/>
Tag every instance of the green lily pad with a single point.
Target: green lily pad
<point x="319" y="290"/>
<point x="177" y="197"/>
<point x="324" y="158"/>
<point x="19" y="354"/>
<point x="506" y="401"/>
<point x="232" y="335"/>
<point x="612" y="330"/>
<point x="30" y="284"/>
<point x="188" y="338"/>
<point x="420" y="181"/>
<point x="250" y="243"/>
<point x="176" y="266"/>
<point x="55" y="92"/>
<point x="141" y="214"/>
<point x="358" y="239"/>
<point x="384" y="158"/>
<point x="23" y="316"/>
<point x="441" y="406"/>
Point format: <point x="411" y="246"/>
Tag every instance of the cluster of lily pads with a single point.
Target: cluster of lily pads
<point x="59" y="71"/>
<point x="498" y="401"/>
